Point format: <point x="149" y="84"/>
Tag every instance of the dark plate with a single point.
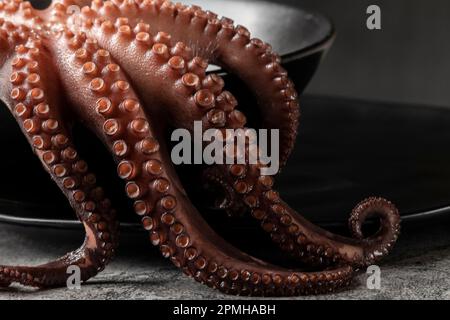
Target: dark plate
<point x="351" y="149"/>
<point x="347" y="150"/>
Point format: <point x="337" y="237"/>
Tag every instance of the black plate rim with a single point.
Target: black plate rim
<point x="74" y="224"/>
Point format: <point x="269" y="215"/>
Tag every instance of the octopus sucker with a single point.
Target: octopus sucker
<point x="130" y="71"/>
<point x="39" y="112"/>
<point x="220" y="42"/>
<point x="173" y="223"/>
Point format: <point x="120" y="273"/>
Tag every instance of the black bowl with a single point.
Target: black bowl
<point x="301" y="37"/>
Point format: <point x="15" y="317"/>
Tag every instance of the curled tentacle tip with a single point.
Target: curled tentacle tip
<point x="379" y="244"/>
<point x="371" y="207"/>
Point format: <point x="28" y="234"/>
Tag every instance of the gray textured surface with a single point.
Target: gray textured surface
<point x="419" y="268"/>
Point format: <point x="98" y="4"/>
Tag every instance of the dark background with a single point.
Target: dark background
<point x="407" y="61"/>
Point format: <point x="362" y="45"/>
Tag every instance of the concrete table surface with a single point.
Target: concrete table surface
<point x="419" y="268"/>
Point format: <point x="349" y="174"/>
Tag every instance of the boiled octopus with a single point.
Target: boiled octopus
<point x="131" y="69"/>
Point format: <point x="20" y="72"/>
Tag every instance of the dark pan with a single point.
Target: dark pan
<point x="347" y="149"/>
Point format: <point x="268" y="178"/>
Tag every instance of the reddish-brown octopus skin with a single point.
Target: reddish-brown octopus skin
<point x="130" y="69"/>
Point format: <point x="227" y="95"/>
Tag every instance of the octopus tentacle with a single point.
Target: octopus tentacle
<point x="20" y="13"/>
<point x="160" y="77"/>
<point x="79" y="3"/>
<point x="296" y="235"/>
<point x="11" y="35"/>
<point x="38" y="110"/>
<point x="221" y="43"/>
<point x="200" y="100"/>
<point x="120" y="120"/>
